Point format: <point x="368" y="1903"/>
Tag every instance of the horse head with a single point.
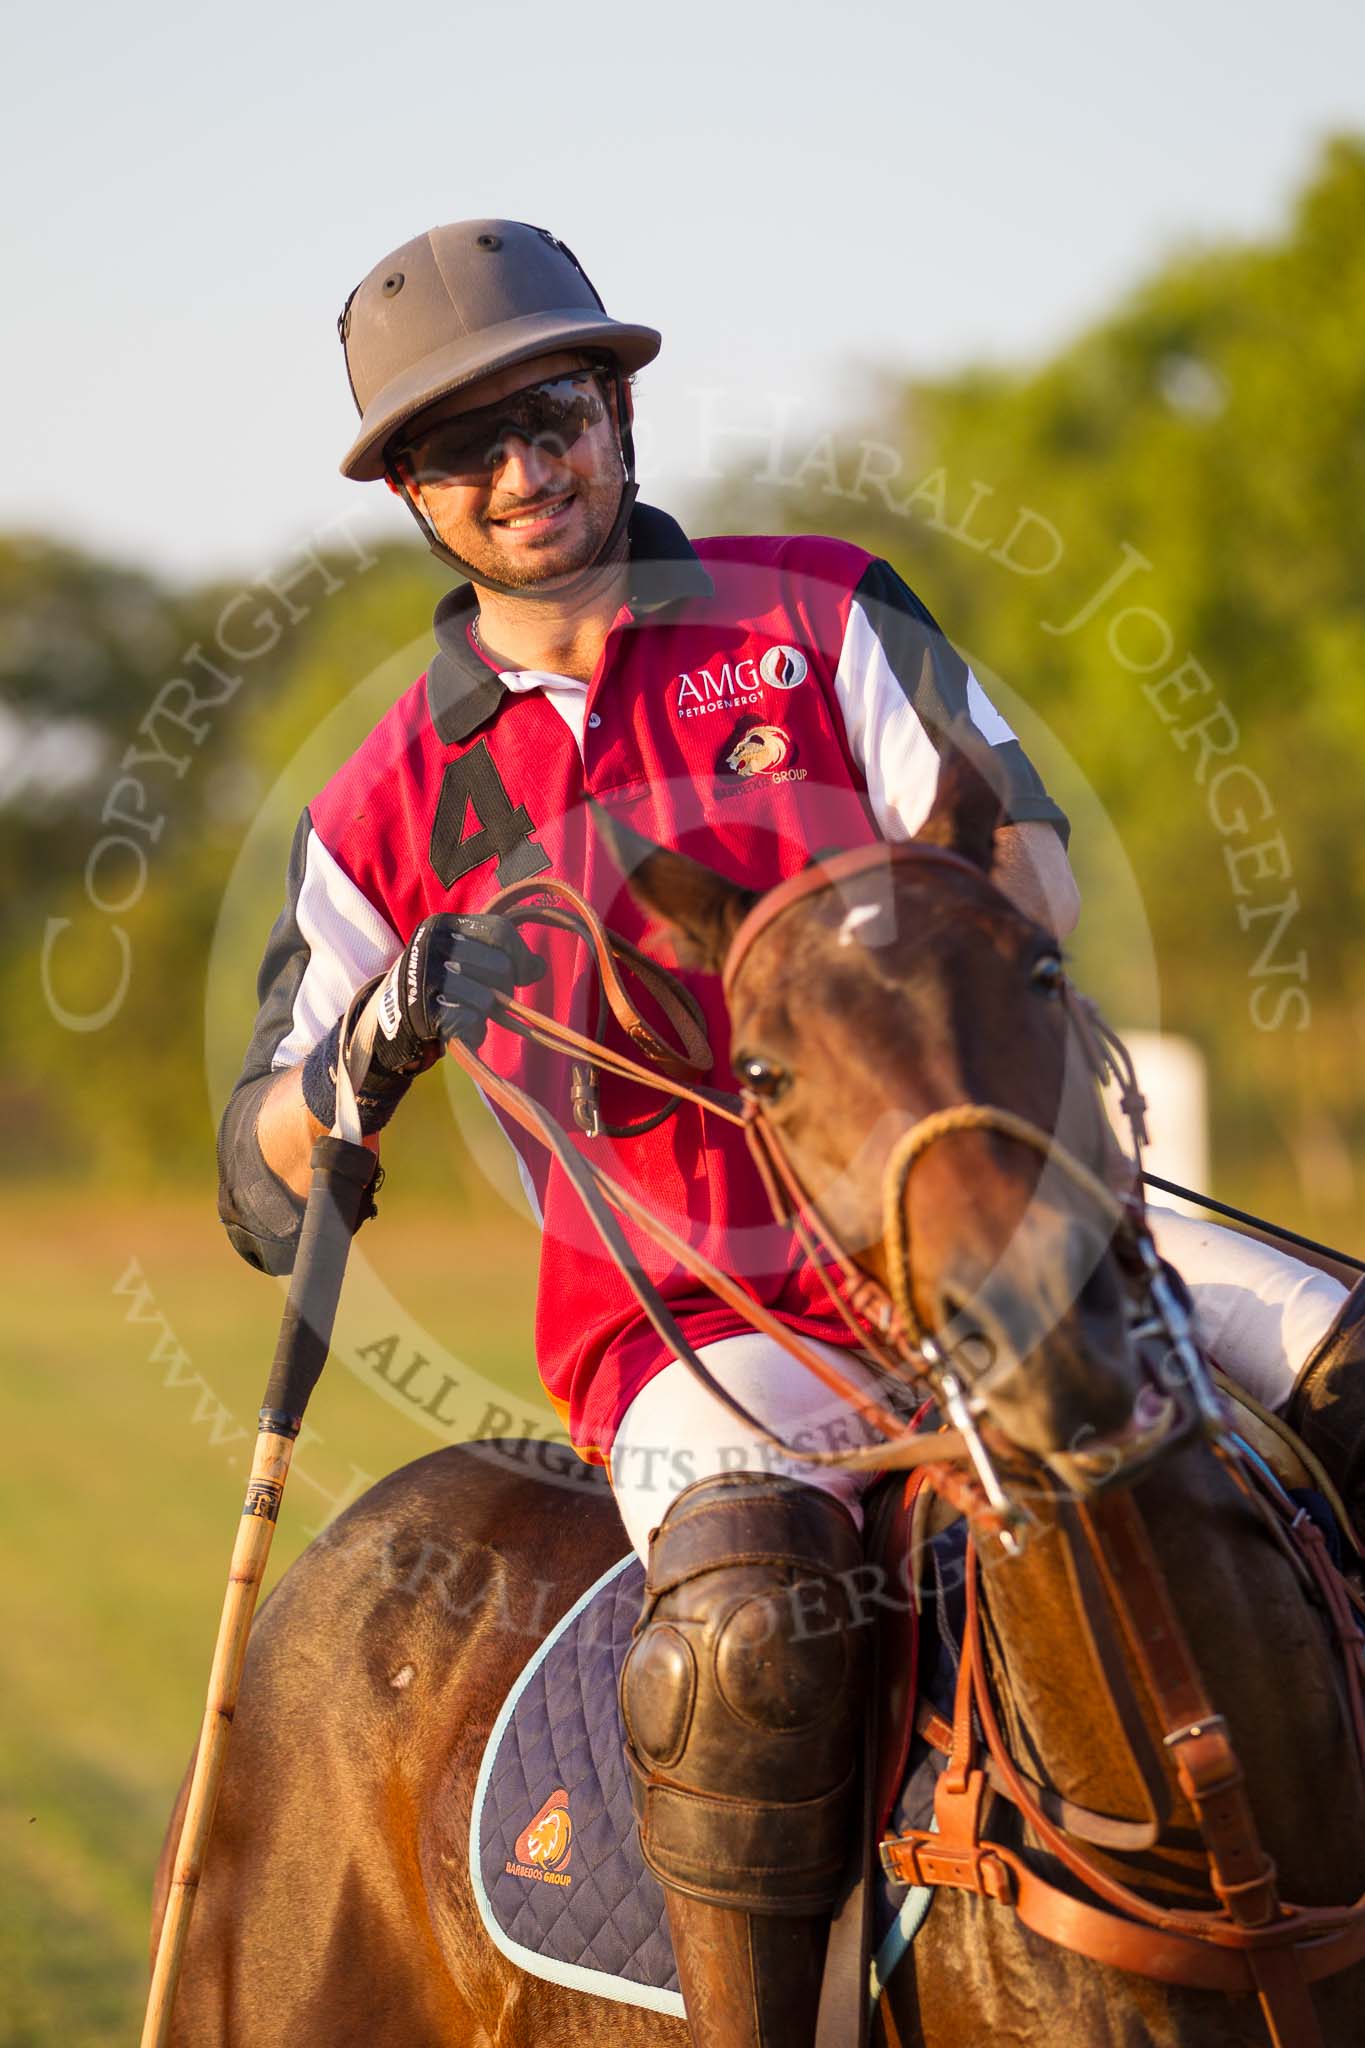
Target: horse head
<point x="900" y="992"/>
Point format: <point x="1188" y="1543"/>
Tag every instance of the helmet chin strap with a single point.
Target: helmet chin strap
<point x="559" y="588"/>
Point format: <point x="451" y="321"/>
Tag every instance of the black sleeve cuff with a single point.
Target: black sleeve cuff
<point x="1026" y="800"/>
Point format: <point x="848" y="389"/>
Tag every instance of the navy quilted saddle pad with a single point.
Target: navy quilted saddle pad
<point x="554" y="1856"/>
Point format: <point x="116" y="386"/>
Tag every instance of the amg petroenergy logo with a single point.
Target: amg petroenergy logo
<point x="783" y="667"/>
<point x="738" y="686"/>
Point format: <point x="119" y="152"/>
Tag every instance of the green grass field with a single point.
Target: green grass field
<point x="134" y="1354"/>
<point x="135" y="1350"/>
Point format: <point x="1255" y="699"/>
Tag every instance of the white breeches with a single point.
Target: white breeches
<point x="1258" y="1311"/>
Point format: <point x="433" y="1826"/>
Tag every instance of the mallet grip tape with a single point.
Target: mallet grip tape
<point x="343" y="1175"/>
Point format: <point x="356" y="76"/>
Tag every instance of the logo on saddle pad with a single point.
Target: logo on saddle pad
<point x="545" y="1844"/>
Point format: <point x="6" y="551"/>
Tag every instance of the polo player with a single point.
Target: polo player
<point x="749" y="700"/>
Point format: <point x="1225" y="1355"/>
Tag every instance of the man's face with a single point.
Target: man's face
<point x="544" y="512"/>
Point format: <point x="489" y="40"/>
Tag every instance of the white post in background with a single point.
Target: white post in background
<point x="1173" y="1076"/>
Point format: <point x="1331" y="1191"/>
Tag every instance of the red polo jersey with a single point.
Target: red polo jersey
<point x="757" y="700"/>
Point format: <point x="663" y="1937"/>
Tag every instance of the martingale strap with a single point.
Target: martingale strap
<point x="1207" y="1769"/>
<point x="1251" y="1944"/>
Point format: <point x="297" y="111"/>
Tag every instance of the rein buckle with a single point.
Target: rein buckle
<point x="583" y="1096"/>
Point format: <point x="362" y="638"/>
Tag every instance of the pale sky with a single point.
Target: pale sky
<point x="792" y="193"/>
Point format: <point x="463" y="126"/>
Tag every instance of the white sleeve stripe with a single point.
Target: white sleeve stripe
<point x="985" y="717"/>
<point x="886" y="735"/>
<point x="348" y="943"/>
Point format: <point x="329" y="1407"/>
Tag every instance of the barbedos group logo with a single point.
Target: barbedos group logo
<point x="766" y="750"/>
<point x="760" y="751"/>
<point x="783" y="667"/>
<point x="545" y="1844"/>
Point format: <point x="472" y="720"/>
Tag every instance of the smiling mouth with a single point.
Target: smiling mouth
<point x="538" y="518"/>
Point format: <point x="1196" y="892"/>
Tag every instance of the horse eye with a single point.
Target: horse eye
<point x="1048" y="974"/>
<point x="763" y="1078"/>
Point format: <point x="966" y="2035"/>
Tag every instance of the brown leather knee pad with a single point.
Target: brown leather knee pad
<point x="742" y="1694"/>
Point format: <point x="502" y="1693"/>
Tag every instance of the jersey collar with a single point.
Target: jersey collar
<point x="463" y="692"/>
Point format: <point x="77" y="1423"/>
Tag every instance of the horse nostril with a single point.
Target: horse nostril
<point x="1089" y="1270"/>
<point x="1098" y="1293"/>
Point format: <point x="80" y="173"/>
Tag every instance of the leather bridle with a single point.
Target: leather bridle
<point x="1159" y="1325"/>
<point x="1250" y="1942"/>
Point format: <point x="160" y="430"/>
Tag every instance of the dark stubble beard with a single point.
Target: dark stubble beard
<point x="598" y="503"/>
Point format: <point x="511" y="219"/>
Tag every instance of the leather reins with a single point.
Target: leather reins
<point x="1251" y="1942"/>
<point x="894" y="1444"/>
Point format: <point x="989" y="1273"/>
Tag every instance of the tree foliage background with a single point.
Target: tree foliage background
<point x="1208" y="437"/>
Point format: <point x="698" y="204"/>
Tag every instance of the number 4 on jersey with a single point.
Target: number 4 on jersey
<point x="473" y="783"/>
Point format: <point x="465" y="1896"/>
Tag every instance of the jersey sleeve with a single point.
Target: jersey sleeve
<point x="327" y="942"/>
<point x="901" y="687"/>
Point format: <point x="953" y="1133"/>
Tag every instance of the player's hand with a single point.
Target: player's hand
<point x="442" y="986"/>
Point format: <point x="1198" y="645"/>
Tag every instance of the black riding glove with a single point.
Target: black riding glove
<point x="440" y="987"/>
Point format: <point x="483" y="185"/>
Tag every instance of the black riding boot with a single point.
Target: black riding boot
<point x="1327" y="1406"/>
<point x="742" y="1698"/>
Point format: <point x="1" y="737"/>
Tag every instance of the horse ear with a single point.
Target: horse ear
<point x="965" y="813"/>
<point x="701" y="909"/>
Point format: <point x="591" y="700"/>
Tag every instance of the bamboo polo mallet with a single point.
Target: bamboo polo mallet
<point x="343" y="1174"/>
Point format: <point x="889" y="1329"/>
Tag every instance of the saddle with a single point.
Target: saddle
<point x="555" y="1865"/>
<point x="554" y="1858"/>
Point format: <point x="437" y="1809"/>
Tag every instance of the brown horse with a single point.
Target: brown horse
<point x="336" y="1906"/>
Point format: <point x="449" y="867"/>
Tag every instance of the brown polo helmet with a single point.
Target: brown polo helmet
<point x="457" y="303"/>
